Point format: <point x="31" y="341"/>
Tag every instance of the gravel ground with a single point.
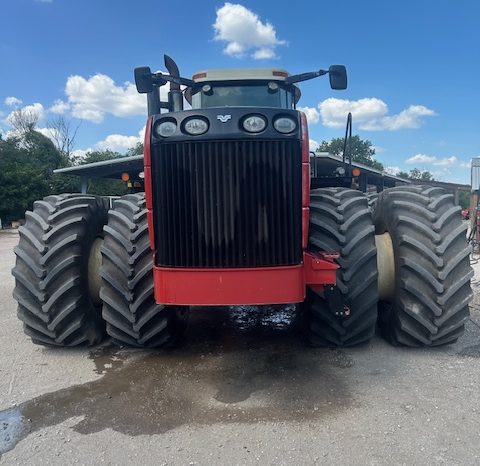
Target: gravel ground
<point x="243" y="389"/>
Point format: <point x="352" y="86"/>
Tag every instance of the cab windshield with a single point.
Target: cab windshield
<point x="238" y="94"/>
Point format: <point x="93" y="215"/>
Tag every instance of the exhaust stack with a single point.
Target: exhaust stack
<point x="175" y="96"/>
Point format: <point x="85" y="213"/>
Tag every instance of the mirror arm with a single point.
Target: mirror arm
<point x="296" y="78"/>
<point x="161" y="79"/>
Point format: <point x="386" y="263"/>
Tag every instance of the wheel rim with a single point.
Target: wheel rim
<point x="386" y="266"/>
<point x="94" y="278"/>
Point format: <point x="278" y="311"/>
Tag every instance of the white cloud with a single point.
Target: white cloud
<point x="420" y="158"/>
<point x="35" y="111"/>
<point x="47" y="132"/>
<point x="244" y="32"/>
<point x="313" y="145"/>
<point x="120" y="142"/>
<point x="264" y="54"/>
<point x="447" y="161"/>
<point x="392" y="170"/>
<point x="117" y="142"/>
<point x="13" y="101"/>
<point x="334" y="111"/>
<point x="408" y="118"/>
<point x="378" y="149"/>
<point x="60" y="107"/>
<point x="7" y="134"/>
<point x="311" y="113"/>
<point x="370" y="114"/>
<point x="80" y="153"/>
<point x="451" y="161"/>
<point x="92" y="98"/>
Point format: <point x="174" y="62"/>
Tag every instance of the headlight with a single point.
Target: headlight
<point x="166" y="128"/>
<point x="254" y="124"/>
<point x="285" y="125"/>
<point x="195" y="126"/>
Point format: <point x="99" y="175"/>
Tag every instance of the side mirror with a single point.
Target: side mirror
<point x="143" y="80"/>
<point x="338" y="77"/>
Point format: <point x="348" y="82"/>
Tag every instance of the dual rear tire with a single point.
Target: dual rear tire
<point x="428" y="307"/>
<point x="60" y="300"/>
<point x="51" y="272"/>
<point x="430" y="284"/>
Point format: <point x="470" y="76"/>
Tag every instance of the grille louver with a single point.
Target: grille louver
<point x="227" y="203"/>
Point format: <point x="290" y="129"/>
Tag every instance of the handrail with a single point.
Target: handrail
<point x="347" y="144"/>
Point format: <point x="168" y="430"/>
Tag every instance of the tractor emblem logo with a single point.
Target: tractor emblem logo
<point x="224" y="118"/>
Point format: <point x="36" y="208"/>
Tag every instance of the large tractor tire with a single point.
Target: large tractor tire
<point x="372" y="200"/>
<point x="57" y="298"/>
<point x="340" y="220"/>
<point x="429" y="293"/>
<point x="129" y="307"/>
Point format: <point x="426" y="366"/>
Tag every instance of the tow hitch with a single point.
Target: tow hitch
<point x="335" y="302"/>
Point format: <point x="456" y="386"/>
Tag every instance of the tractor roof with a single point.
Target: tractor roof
<point x="243" y="74"/>
<point x="231" y="74"/>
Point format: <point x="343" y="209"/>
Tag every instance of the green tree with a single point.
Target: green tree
<point x="25" y="174"/>
<point x="136" y="150"/>
<point x="417" y="174"/>
<point x="464" y="199"/>
<point x="362" y="150"/>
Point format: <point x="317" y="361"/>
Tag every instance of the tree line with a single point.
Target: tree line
<point x="28" y="158"/>
<point x="363" y="152"/>
<point x="27" y="161"/>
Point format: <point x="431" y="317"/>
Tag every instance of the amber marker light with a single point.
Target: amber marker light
<point x="125" y="176"/>
<point x="356" y="172"/>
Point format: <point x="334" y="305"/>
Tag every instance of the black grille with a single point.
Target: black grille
<point x="227" y="203"/>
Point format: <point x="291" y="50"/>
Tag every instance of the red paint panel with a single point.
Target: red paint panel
<point x="263" y="285"/>
<point x="305" y="184"/>
<point x="305" y="140"/>
<point x="305" y="224"/>
<point x="319" y="269"/>
<point x="150" y="229"/>
<point x="222" y="287"/>
<point x="147" y="183"/>
<point x="147" y="160"/>
<point x="199" y="76"/>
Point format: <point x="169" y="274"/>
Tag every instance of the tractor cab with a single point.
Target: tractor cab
<point x="263" y="87"/>
<point x="244" y="87"/>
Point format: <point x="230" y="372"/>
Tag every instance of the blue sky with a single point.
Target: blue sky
<point x="413" y="66"/>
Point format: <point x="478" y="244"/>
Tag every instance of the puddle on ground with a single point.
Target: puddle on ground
<point x="231" y="368"/>
<point x="13" y="427"/>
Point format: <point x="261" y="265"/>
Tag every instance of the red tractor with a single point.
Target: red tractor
<point x="233" y="213"/>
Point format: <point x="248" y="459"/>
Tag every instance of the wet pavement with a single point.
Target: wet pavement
<point x="214" y="377"/>
<point x="243" y="389"/>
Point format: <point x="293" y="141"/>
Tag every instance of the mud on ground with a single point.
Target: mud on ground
<point x="242" y="389"/>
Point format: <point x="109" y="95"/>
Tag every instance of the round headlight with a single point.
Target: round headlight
<point x="254" y="124"/>
<point x="196" y="126"/>
<point x="272" y="86"/>
<point x="285" y="125"/>
<point x="166" y="128"/>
